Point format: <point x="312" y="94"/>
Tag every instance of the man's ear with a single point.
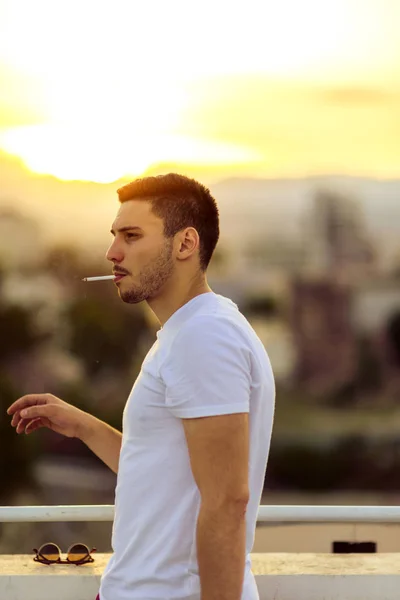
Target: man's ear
<point x="188" y="243"/>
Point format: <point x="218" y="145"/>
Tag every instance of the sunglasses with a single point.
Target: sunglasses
<point x="77" y="554"/>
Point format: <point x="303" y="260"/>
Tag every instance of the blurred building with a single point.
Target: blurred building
<point x="323" y="335"/>
<point x="337" y="240"/>
<point x="374" y="302"/>
<point x="339" y="333"/>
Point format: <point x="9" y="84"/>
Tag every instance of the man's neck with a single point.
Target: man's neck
<point x="167" y="304"/>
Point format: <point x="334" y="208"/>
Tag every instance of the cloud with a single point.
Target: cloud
<point x="359" y="96"/>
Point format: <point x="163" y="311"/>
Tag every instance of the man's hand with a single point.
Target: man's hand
<point x="34" y="411"/>
<point x="45" y="410"/>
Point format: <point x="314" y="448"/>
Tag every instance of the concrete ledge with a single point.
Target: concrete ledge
<point x="327" y="576"/>
<point x="23" y="579"/>
<point x="279" y="577"/>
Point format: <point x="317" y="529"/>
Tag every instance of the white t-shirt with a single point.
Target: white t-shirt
<point x="207" y="360"/>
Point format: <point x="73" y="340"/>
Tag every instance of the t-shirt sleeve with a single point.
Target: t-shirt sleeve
<point x="208" y="370"/>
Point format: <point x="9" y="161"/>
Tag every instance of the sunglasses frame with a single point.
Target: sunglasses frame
<point x="40" y="558"/>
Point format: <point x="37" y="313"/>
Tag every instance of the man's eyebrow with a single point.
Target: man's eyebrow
<point x="127" y="228"/>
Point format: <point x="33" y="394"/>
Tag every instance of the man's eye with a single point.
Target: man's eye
<point x="129" y="236"/>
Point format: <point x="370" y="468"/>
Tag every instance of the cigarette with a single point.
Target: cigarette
<point x="102" y="278"/>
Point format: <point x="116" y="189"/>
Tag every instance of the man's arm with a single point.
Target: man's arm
<point x="102" y="439"/>
<point x="219" y="454"/>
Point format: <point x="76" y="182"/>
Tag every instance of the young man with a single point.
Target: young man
<point x="197" y="425"/>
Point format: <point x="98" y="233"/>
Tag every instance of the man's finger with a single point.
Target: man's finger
<point x="28" y="400"/>
<point x="33" y="425"/>
<point x="41" y="410"/>
<point x="15" y="419"/>
<point x="21" y="425"/>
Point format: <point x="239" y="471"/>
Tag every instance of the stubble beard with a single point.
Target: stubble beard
<point x="153" y="277"/>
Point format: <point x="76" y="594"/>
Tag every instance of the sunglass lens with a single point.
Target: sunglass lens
<point x="50" y="552"/>
<point x="78" y="552"/>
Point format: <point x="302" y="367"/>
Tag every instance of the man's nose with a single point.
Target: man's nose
<point x="114" y="254"/>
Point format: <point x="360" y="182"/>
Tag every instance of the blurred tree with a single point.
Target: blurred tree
<point x="18" y="331"/>
<point x="393" y="336"/>
<point x="66" y="264"/>
<point x="303" y="467"/>
<point x="343" y="396"/>
<point x="308" y="466"/>
<point x="261" y="306"/>
<point x="369" y="372"/>
<point x="17" y="453"/>
<point x="103" y="334"/>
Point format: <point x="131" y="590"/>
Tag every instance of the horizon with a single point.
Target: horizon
<point x="17" y="164"/>
<point x="80" y="213"/>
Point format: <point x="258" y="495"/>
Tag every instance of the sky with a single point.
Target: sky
<point x="105" y="90"/>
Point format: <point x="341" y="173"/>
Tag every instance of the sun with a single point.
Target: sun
<point x="103" y="156"/>
<point x="76" y="153"/>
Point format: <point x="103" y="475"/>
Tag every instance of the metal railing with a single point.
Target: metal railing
<point x="266" y="513"/>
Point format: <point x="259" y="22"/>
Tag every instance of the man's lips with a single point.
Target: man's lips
<point x="118" y="276"/>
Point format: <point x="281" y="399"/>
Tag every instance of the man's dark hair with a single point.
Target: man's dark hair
<point x="180" y="202"/>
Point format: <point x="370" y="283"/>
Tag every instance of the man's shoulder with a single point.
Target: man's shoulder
<point x="213" y="328"/>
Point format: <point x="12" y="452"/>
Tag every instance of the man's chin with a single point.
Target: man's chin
<point x="130" y="298"/>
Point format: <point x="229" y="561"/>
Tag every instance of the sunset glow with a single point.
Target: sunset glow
<point x="98" y="91"/>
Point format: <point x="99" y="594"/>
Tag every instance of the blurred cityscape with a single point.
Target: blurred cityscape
<point x="314" y="264"/>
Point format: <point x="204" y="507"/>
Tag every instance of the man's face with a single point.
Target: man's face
<point x="140" y="252"/>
